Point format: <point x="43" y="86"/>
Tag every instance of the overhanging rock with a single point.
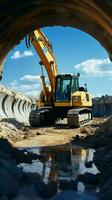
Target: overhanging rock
<point x="20" y="17"/>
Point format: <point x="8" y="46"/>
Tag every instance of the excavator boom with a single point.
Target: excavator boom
<point x="44" y="49"/>
<point x="64" y="97"/>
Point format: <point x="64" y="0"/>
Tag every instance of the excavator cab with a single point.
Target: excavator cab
<point x="63" y="98"/>
<point x="66" y="84"/>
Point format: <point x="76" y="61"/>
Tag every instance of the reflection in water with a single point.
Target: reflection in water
<point x="61" y="163"/>
<point x="65" y="162"/>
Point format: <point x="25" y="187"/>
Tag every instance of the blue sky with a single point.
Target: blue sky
<point x="74" y="50"/>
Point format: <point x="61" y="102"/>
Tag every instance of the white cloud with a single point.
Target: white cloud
<point x="13" y="83"/>
<point x="31" y="87"/>
<point x="25" y="87"/>
<point x="32" y="90"/>
<point x="33" y="93"/>
<point x="29" y="77"/>
<point x="18" y="54"/>
<point x="95" y="67"/>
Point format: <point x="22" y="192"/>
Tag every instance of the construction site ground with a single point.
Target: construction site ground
<point x="22" y="135"/>
<point x="97" y="135"/>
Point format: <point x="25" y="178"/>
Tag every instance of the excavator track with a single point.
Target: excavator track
<point x="79" y="117"/>
<point x="41" y="117"/>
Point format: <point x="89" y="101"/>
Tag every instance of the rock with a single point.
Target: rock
<point x="68" y="185"/>
<point x="37" y="133"/>
<point x="105" y="195"/>
<point x="89" y="178"/>
<point x="77" y="138"/>
<point x="23" y="197"/>
<point x="85" y="130"/>
<point x="50" y="189"/>
<point x="88" y="164"/>
<point x="105" y="128"/>
<point x="91" y="189"/>
<point x="8" y="185"/>
<point x="103" y="160"/>
<point x="28" y="190"/>
<point x="5" y="146"/>
<point x="3" y="198"/>
<point x="70" y="195"/>
<point x="106" y="189"/>
<point x="4" y="155"/>
<point x="25" y="129"/>
<point x="22" y="157"/>
<point x="35" y="179"/>
<point x="45" y="190"/>
<point x="15" y="171"/>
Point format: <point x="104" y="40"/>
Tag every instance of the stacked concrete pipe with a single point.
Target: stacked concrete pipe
<point x="102" y="106"/>
<point x="15" y="105"/>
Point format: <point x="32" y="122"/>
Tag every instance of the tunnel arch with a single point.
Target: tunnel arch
<point x="20" y="17"/>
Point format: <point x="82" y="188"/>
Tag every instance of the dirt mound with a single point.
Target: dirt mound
<point x="12" y="129"/>
<point x="105" y="128"/>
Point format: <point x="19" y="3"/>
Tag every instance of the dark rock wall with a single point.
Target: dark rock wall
<point x="18" y="18"/>
<point x="102" y="106"/>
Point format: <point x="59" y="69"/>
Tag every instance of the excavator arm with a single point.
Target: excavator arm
<point x="74" y="104"/>
<point x="44" y="49"/>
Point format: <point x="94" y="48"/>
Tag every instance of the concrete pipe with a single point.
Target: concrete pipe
<point x="15" y="105"/>
<point x="20" y="113"/>
<point x="102" y="106"/>
<point x="8" y="100"/>
<point x="22" y="110"/>
<point x="2" y="111"/>
<point x="16" y="111"/>
<point x="27" y="108"/>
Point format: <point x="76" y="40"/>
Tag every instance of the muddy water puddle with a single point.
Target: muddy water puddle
<point x="62" y="164"/>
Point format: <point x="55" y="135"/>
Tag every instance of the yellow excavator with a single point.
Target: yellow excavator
<point x="63" y="97"/>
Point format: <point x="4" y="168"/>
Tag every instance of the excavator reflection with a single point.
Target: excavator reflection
<point x="65" y="162"/>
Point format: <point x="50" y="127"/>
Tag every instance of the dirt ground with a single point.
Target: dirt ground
<point x="97" y="135"/>
<point x="21" y="135"/>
